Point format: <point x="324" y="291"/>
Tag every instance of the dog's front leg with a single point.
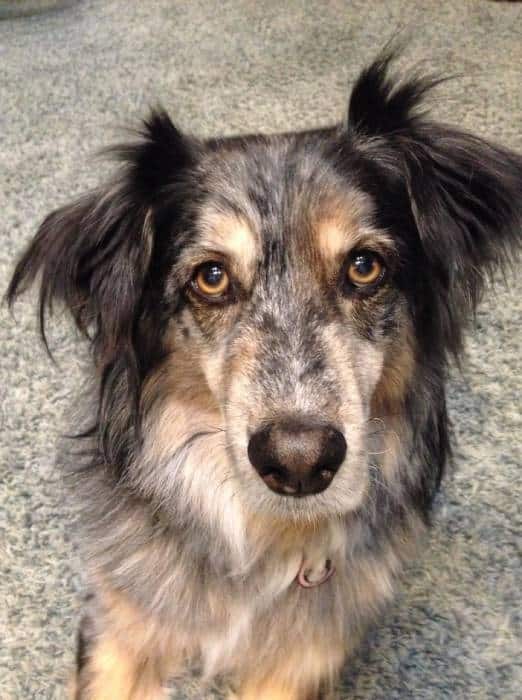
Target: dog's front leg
<point x="113" y="672"/>
<point x="118" y="655"/>
<point x="273" y="690"/>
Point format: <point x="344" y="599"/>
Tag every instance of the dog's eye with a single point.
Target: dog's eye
<point x="211" y="280"/>
<point x="365" y="269"/>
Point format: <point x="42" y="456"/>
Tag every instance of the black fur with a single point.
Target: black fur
<point x="99" y="257"/>
<point x="453" y="199"/>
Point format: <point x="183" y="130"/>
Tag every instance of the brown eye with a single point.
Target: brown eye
<point x="365" y="268"/>
<point x="211" y="280"/>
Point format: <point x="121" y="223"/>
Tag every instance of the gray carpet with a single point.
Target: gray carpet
<point x="66" y="79"/>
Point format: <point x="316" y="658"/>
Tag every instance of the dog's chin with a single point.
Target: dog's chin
<point x="344" y="495"/>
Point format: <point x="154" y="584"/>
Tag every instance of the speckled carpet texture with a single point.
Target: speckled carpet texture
<point x="69" y="79"/>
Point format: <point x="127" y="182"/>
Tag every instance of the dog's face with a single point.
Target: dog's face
<point x="289" y="312"/>
<point x="259" y="304"/>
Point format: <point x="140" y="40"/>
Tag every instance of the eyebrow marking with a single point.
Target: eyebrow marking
<point x="338" y="222"/>
<point x="344" y="223"/>
<point x="333" y="239"/>
<point x="231" y="235"/>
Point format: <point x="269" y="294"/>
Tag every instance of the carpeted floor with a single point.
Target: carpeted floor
<point x="66" y="79"/>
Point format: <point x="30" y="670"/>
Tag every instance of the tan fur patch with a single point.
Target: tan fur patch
<point x="185" y="403"/>
<point x="179" y="376"/>
<point x="299" y="675"/>
<point x="397" y="371"/>
<point x="130" y="659"/>
<point x="115" y="673"/>
<point x="342" y="224"/>
<point x="233" y="236"/>
<point x="266" y="691"/>
<point x="387" y="405"/>
<point x="333" y="239"/>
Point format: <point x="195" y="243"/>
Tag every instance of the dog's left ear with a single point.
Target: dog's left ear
<point x="95" y="257"/>
<point x="464" y="194"/>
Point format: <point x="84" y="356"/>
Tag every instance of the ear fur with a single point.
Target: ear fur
<point x="94" y="255"/>
<point x="381" y="105"/>
<point x="464" y="194"/>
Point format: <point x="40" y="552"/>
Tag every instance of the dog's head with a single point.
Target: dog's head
<point x="260" y="306"/>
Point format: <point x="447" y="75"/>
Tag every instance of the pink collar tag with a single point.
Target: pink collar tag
<point x="308" y="578"/>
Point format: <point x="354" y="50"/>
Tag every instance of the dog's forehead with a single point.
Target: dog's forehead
<point x="280" y="192"/>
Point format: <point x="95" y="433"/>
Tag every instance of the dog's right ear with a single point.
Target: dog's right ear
<point x="455" y="198"/>
<point x="94" y="254"/>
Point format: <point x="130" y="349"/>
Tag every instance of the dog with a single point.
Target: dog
<point x="271" y="320"/>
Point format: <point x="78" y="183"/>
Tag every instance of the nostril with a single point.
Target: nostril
<point x="277" y="480"/>
<point x="258" y="451"/>
<point x="333" y="453"/>
<point x="326" y="474"/>
<point x="271" y="473"/>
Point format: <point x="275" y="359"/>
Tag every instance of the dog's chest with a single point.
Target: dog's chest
<point x="291" y="593"/>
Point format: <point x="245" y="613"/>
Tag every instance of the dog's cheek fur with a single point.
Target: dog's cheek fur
<point x="200" y="337"/>
<point x="185" y="448"/>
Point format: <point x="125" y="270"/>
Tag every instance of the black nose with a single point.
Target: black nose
<point x="296" y="458"/>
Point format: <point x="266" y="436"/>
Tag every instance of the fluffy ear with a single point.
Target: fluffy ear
<point x="464" y="194"/>
<point x="94" y="255"/>
<point x="381" y="105"/>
